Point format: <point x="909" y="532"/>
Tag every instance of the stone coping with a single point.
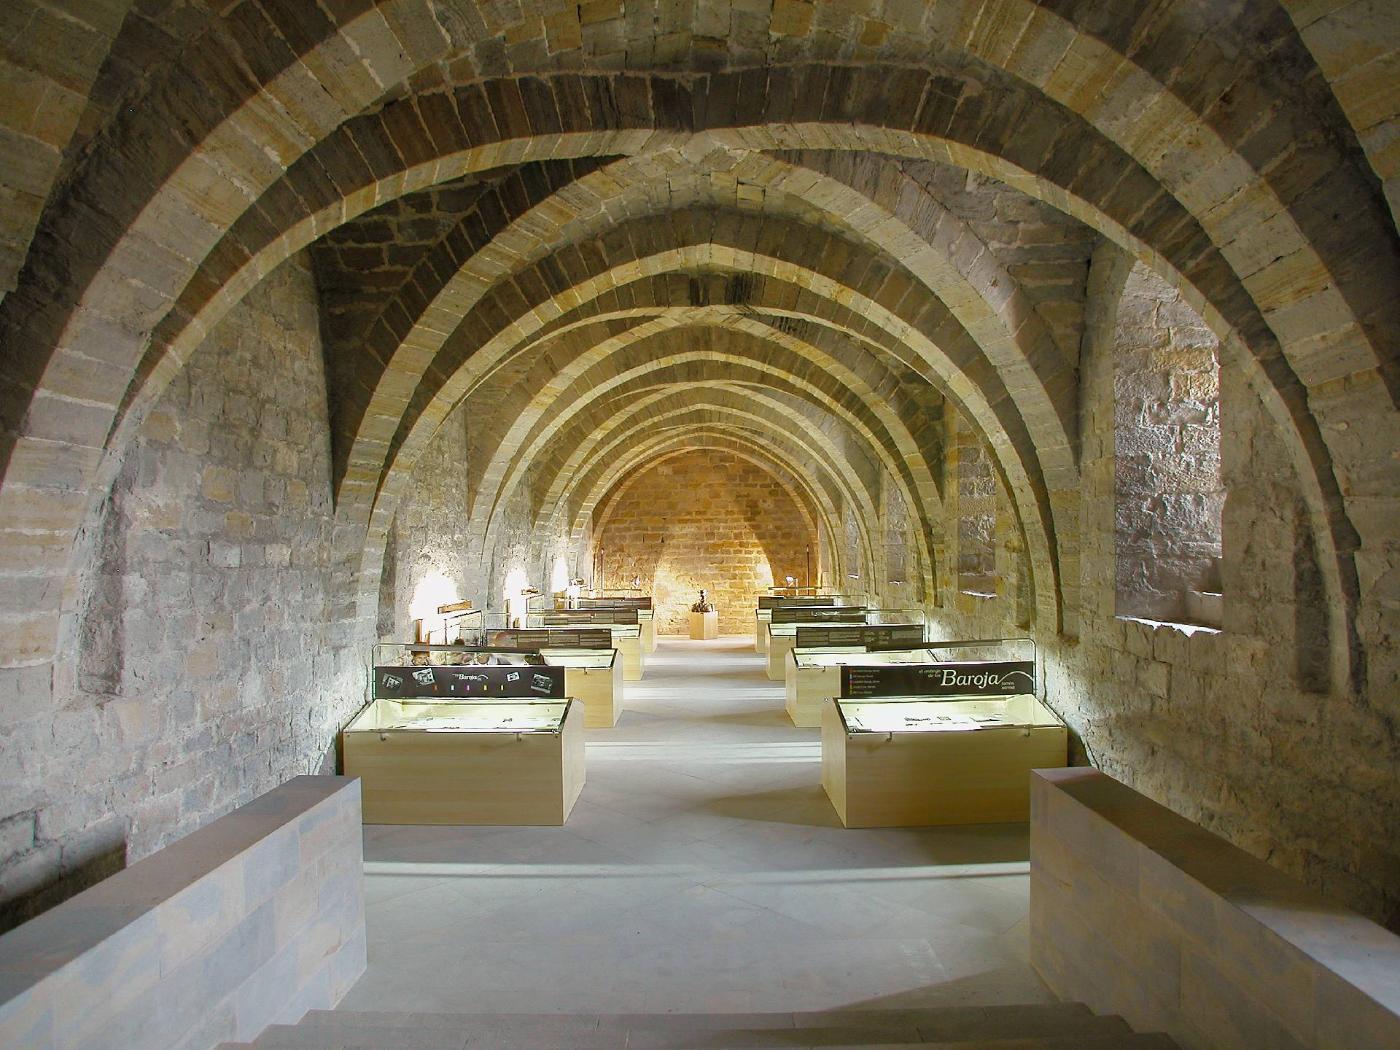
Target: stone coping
<point x="45" y="944"/>
<point x="1357" y="950"/>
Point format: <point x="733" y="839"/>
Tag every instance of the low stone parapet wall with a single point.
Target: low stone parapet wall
<point x="1137" y="911"/>
<point x="249" y="921"/>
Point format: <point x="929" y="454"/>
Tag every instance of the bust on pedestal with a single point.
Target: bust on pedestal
<point x="704" y="619"/>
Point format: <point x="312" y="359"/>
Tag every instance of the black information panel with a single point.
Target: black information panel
<point x="773" y="601"/>
<point x="819" y="614"/>
<point x="588" y="638"/>
<point x="470" y="680"/>
<point x="892" y="636"/>
<point x="614" y="603"/>
<point x="983" y="678"/>
<point x="564" y="617"/>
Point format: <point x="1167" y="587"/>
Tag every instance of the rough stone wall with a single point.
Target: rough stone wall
<point x="1168" y="495"/>
<point x="854" y="555"/>
<point x="1239" y="730"/>
<point x="977" y="490"/>
<point x="206" y="666"/>
<point x="896" y="529"/>
<point x="430" y="558"/>
<point x="705" y="519"/>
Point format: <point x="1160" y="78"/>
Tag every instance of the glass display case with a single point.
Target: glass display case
<point x="646" y="616"/>
<point x="950" y="742"/>
<point x="782" y="630"/>
<point x="814" y="674"/>
<point x="466" y="716"/>
<point x="763" y="613"/>
<point x="450" y="739"/>
<point x="592" y="671"/>
<point x="623" y="623"/>
<point x="458" y="627"/>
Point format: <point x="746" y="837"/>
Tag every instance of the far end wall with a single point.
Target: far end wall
<point x="705" y="518"/>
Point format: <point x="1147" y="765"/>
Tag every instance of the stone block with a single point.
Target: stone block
<point x="167" y="952"/>
<point x="1205" y="943"/>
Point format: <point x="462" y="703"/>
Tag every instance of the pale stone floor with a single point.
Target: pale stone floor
<point x="702" y="870"/>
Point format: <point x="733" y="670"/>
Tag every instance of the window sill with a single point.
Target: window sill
<point x="1187" y="629"/>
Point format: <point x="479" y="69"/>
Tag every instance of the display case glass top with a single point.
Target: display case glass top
<point x="862" y="636"/>
<point x="591" y="658"/>
<point x="551" y="638"/>
<point x="479" y="716"/>
<point x="625" y="620"/>
<point x="458" y="627"/>
<point x="785" y="622"/>
<point x="808" y="658"/>
<point x="773" y="601"/>
<point x="922" y="715"/>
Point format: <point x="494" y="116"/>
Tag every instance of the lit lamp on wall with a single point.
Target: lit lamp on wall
<point x="517" y="587"/>
<point x="433" y="590"/>
<point x="559" y="576"/>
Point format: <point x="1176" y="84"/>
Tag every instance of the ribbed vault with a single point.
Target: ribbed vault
<point x="996" y="382"/>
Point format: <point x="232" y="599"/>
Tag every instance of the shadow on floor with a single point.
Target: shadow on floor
<point x="765" y="716"/>
<point x="803" y="806"/>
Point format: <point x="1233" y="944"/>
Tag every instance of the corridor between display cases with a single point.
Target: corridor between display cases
<point x="702" y="869"/>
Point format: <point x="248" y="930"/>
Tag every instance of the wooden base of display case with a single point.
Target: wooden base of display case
<point x="469" y="778"/>
<point x="600" y="690"/>
<point x="761" y="619"/>
<point x="633" y="658"/>
<point x="898" y="780"/>
<point x="808" y="690"/>
<point x="704" y="626"/>
<point x="779" y="645"/>
<point x="646" y="620"/>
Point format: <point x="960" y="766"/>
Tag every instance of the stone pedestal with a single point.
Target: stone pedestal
<point x="704" y="625"/>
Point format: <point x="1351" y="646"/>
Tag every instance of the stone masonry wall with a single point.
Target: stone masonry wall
<point x="206" y="666"/>
<point x="1168" y="495"/>
<point x="1230" y="729"/>
<point x="429" y="558"/>
<point x="977" y="491"/>
<point x="705" y="519"/>
<point x="1240" y="730"/>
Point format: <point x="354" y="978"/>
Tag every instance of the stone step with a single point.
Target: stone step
<point x="947" y="1023"/>
<point x="1047" y="1027"/>
<point x="404" y="1039"/>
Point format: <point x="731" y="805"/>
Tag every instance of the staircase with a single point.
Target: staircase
<point x="1057" y="1026"/>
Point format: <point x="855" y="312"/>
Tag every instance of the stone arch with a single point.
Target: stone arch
<point x="1278" y="282"/>
<point x="582" y="484"/>
<point x="1027" y="483"/>
<point x="557" y="492"/>
<point x="656" y="522"/>
<point x="501" y="479"/>
<point x="810" y="497"/>
<point x="741" y="442"/>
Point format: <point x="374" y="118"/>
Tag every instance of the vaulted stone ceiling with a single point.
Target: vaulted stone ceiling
<point x="925" y="183"/>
